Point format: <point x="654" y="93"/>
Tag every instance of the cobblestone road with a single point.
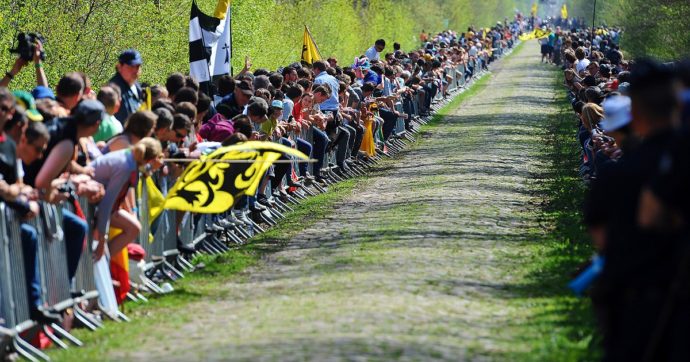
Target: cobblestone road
<point x="417" y="264"/>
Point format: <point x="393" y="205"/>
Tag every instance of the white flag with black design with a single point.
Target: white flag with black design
<point x="210" y="44"/>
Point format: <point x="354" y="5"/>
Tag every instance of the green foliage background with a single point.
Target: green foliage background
<point x="652" y="28"/>
<point x="87" y="35"/>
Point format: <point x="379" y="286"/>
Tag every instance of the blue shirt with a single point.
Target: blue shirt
<point x="371" y="76"/>
<point x="331" y="104"/>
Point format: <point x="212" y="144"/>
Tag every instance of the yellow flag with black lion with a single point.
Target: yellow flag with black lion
<point x="214" y="183"/>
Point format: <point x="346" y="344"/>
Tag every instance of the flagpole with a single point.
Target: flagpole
<point x="231" y="42"/>
<point x="594" y="14"/>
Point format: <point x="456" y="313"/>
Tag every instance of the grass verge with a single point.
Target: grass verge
<point x="565" y="323"/>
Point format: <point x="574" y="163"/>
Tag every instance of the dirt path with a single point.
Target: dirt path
<point x="419" y="263"/>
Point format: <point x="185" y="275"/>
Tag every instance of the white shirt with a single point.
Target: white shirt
<point x="372" y="54"/>
<point x="581" y="65"/>
<point x="473" y="51"/>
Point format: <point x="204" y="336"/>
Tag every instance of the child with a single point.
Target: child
<point x="109" y="127"/>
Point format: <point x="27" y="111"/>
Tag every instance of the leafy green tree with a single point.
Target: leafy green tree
<point x="88" y="35"/>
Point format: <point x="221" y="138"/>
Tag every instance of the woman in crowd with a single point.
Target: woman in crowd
<point x="572" y="80"/>
<point x="118" y="171"/>
<point x="592" y="114"/>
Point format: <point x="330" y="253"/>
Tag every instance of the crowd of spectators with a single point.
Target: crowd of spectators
<point x="73" y="141"/>
<point x="632" y="127"/>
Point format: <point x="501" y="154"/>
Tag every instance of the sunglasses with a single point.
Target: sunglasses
<point x="5" y="108"/>
<point x="180" y="135"/>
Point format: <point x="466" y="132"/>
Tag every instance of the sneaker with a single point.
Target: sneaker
<point x="241" y="216"/>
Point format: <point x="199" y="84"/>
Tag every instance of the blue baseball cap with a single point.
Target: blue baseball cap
<point x="130" y="57"/>
<point x="41" y="92"/>
<point x="88" y="112"/>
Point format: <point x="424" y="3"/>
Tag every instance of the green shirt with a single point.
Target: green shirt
<point x="269" y="126"/>
<point x="108" y="128"/>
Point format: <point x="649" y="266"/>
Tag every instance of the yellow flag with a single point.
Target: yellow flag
<point x="539" y="33"/>
<point x="155" y="200"/>
<point x="535" y="34"/>
<point x="534" y="9"/>
<point x="527" y="36"/>
<point x="221" y="9"/>
<point x="310" y="52"/>
<point x="155" y="197"/>
<point x="212" y="186"/>
<point x="564" y="12"/>
<point x="146" y="104"/>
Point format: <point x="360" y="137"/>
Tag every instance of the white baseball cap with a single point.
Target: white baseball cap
<point x="616" y="113"/>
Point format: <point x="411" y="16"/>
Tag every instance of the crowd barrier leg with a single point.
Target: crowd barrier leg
<point x="85" y="281"/>
<point x="167" y="232"/>
<point x="155" y="260"/>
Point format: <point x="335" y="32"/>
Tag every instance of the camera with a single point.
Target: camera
<point x="26" y="46"/>
<point x="68" y="188"/>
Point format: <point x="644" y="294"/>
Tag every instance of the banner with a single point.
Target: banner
<point x="310" y="52"/>
<point x="564" y="12"/>
<point x="155" y="197"/>
<point x="213" y="186"/>
<point x="534" y="9"/>
<point x="210" y="44"/>
<point x="535" y="34"/>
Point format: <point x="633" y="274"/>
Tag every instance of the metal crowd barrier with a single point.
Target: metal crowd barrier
<point x="13" y="289"/>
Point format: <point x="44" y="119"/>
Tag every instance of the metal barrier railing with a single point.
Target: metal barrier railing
<point x="13" y="289"/>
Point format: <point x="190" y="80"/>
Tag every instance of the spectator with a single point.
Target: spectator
<point x="126" y="78"/>
<point x="70" y="90"/>
<point x="582" y="62"/>
<point x="118" y="171"/>
<point x="109" y="127"/>
<point x="374" y="53"/>
<point x="239" y="98"/>
<point x="139" y="125"/>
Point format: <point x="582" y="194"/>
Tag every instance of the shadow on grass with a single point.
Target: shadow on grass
<point x="566" y="246"/>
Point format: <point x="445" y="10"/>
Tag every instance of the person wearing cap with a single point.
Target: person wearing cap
<point x="26" y="102"/>
<point x="238" y="99"/>
<point x="126" y="78"/>
<point x="46" y="174"/>
<point x="369" y="75"/>
<point x="616" y="116"/>
<point x="25" y="111"/>
<point x="274" y="113"/>
<point x="257" y="110"/>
